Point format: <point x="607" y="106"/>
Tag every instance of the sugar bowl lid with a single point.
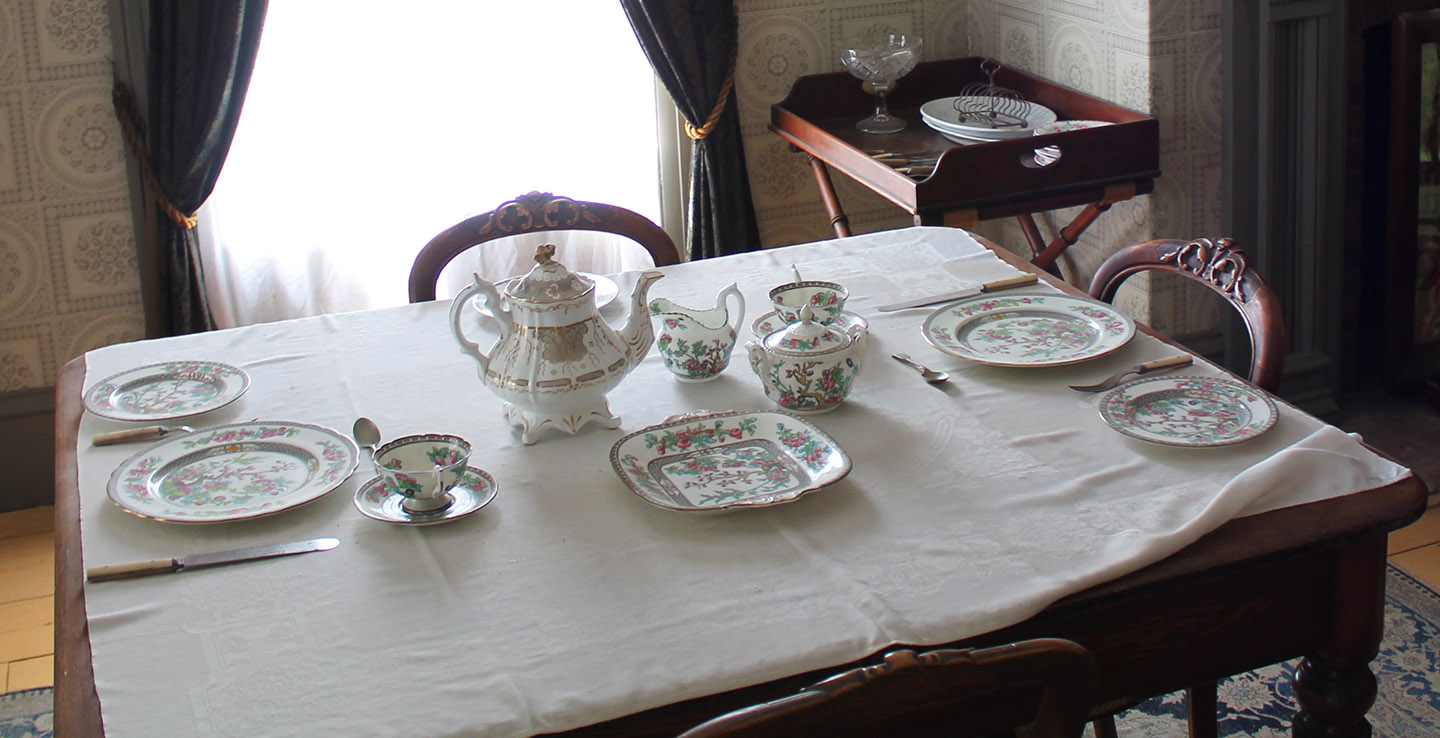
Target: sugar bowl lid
<point x="807" y="336"/>
<point x="548" y="280"/>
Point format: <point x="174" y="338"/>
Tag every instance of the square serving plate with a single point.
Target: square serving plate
<point x="719" y="461"/>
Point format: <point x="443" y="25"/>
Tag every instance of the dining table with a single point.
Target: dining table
<point x="993" y="507"/>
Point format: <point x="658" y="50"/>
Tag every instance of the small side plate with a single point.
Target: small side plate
<point x="720" y="461"/>
<point x="173" y="389"/>
<point x="1188" y="411"/>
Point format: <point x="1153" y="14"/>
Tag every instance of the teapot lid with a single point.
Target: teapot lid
<point x="808" y="336"/>
<point x="548" y="280"/>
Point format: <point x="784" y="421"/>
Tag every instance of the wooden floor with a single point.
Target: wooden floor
<point x="27" y="599"/>
<point x="27" y="588"/>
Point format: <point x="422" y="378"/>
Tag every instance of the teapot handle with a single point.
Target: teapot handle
<point x="738" y="318"/>
<point x="491" y="296"/>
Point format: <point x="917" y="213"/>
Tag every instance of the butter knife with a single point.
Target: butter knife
<point x="999" y="284"/>
<point x="206" y="560"/>
<point x="147" y="433"/>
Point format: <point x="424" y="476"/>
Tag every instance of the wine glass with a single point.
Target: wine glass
<point x="880" y="59"/>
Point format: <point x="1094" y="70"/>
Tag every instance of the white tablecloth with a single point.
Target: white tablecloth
<point x="570" y="600"/>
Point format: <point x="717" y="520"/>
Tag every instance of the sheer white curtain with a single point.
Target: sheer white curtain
<point x="370" y="127"/>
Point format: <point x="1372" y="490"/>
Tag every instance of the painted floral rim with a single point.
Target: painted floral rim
<point x="705" y="462"/>
<point x="771" y="322"/>
<point x="475" y="490"/>
<point x="1189" y="411"/>
<point x="168" y="390"/>
<point x="1063" y="329"/>
<point x="233" y="472"/>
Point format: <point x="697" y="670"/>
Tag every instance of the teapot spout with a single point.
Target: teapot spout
<point x="638" y="334"/>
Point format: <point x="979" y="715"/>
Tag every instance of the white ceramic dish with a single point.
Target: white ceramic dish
<point x="606" y="290"/>
<point x="1188" y="411"/>
<point x="475" y="490"/>
<point x="1061" y="126"/>
<point x="771" y="322"/>
<point x="233" y="472"/>
<point x="172" y="389"/>
<point x="721" y="461"/>
<point x="941" y="115"/>
<point x="1021" y="329"/>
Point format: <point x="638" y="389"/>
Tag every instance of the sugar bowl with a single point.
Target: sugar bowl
<point x="807" y="366"/>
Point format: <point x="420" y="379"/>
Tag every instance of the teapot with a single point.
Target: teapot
<point x="556" y="358"/>
<point x="809" y="367"/>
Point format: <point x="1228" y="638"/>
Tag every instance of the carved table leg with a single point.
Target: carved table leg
<point x="838" y="220"/>
<point x="1335" y="687"/>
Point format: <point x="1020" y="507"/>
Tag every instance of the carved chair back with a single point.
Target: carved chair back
<point x="533" y="213"/>
<point x="971" y="692"/>
<point x="1217" y="264"/>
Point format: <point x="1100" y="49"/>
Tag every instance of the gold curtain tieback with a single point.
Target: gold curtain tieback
<point x="125" y="111"/>
<point x="696" y="134"/>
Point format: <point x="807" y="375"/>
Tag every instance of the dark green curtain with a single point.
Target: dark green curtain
<point x="199" y="59"/>
<point x="692" y="46"/>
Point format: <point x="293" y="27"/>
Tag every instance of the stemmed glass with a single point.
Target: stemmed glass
<point x="881" y="59"/>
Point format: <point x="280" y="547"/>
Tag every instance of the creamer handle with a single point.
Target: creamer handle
<point x="738" y="319"/>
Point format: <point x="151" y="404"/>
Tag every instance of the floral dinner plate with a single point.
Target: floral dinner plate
<point x="717" y="461"/>
<point x="1020" y="329"/>
<point x="233" y="472"/>
<point x="1188" y="410"/>
<point x="173" y="389"/>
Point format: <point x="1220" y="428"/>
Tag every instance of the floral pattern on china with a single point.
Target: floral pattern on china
<point x="1188" y="411"/>
<point x="172" y="389"/>
<point x="233" y="472"/>
<point x="1028" y="329"/>
<point x="809" y="367"/>
<point x="716" y="461"/>
<point x="696" y="344"/>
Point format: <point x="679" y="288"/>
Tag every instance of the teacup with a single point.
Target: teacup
<point x="423" y="469"/>
<point x="825" y="299"/>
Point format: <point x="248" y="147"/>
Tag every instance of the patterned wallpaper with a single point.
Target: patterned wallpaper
<point x="68" y="275"/>
<point x="1160" y="57"/>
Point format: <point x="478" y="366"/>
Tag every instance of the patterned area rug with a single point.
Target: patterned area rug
<point x="27" y="714"/>
<point x="1258" y="704"/>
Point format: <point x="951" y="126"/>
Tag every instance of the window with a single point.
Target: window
<point x="368" y="129"/>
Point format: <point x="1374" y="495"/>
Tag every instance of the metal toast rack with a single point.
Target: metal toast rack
<point x="991" y="106"/>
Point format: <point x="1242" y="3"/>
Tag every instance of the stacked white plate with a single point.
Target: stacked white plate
<point x="942" y="116"/>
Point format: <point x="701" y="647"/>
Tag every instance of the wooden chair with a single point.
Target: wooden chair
<point x="1217" y="264"/>
<point x="971" y="692"/>
<point x="533" y="213"/>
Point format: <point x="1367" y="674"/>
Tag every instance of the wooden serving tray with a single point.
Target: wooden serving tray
<point x="976" y="181"/>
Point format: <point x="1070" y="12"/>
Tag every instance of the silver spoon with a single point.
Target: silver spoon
<point x="796" y="272"/>
<point x="926" y="373"/>
<point x="367" y="434"/>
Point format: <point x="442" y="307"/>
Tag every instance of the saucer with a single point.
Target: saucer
<point x="475" y="490"/>
<point x="771" y="322"/>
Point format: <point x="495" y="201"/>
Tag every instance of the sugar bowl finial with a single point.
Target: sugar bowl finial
<point x="544" y="253"/>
